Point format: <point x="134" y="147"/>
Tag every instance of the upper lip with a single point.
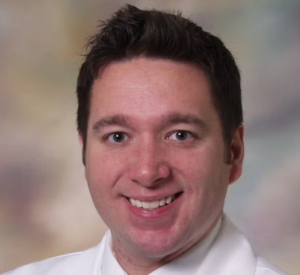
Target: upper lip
<point x="152" y="197"/>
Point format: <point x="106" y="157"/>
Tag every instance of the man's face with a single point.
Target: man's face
<point x="154" y="138"/>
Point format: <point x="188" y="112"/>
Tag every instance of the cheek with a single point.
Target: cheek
<point x="97" y="177"/>
<point x="103" y="170"/>
<point x="100" y="182"/>
<point x="205" y="174"/>
<point x="200" y="164"/>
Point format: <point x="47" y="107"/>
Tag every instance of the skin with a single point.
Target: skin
<point x="147" y="101"/>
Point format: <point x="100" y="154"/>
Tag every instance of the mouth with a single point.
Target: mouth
<point x="152" y="205"/>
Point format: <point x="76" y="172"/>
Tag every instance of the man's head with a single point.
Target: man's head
<point x="159" y="112"/>
<point x="132" y="32"/>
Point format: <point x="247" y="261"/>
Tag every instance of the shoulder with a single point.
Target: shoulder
<point x="247" y="258"/>
<point x="265" y="268"/>
<point x="83" y="262"/>
<point x="64" y="264"/>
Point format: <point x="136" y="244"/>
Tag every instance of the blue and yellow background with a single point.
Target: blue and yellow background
<point x="45" y="207"/>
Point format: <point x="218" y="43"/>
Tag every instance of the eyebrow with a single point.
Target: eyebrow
<point x="177" y="118"/>
<point x="170" y="119"/>
<point x="119" y="120"/>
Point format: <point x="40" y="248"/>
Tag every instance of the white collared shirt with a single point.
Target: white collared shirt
<point x="225" y="251"/>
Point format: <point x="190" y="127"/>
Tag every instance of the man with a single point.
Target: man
<point x="160" y="121"/>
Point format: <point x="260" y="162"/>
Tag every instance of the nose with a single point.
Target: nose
<point x="148" y="165"/>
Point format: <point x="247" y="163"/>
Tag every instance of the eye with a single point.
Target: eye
<point x="117" y="137"/>
<point x="180" y="135"/>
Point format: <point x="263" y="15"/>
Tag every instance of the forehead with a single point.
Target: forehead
<point x="149" y="87"/>
<point x="141" y="69"/>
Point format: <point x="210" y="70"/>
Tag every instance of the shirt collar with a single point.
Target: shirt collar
<point x="187" y="263"/>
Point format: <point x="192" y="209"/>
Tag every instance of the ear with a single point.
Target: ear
<point x="82" y="147"/>
<point x="237" y="154"/>
<point x="80" y="139"/>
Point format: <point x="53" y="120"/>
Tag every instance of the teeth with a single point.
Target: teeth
<point x="168" y="200"/>
<point x="138" y="204"/>
<point x="153" y="204"/>
<point x="162" y="202"/>
<point x="146" y="205"/>
<point x="133" y="202"/>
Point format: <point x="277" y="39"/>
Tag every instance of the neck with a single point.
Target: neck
<point x="135" y="264"/>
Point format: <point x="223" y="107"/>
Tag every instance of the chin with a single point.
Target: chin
<point x="158" y="244"/>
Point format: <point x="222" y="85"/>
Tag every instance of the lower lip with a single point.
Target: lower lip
<point x="158" y="213"/>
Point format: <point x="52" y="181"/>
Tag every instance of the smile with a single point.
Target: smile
<point x="151" y="205"/>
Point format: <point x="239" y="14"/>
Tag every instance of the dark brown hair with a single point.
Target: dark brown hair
<point x="132" y="32"/>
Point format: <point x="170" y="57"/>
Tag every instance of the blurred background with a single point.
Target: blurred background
<point x="45" y="207"/>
